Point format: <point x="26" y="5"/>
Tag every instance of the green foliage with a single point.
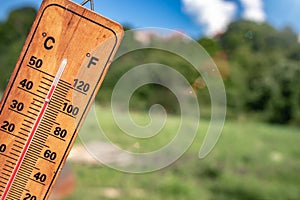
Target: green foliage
<point x="151" y="94"/>
<point x="210" y="45"/>
<point x="13" y="33"/>
<point x="259" y="64"/>
<point x="265" y="65"/>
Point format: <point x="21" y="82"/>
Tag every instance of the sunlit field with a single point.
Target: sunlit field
<point x="251" y="161"/>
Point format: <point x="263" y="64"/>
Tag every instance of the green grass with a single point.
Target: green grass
<point x="251" y="161"/>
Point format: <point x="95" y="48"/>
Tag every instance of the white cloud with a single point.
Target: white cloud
<point x="215" y="15"/>
<point x="254" y="10"/>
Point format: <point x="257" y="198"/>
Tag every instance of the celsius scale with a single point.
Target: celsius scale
<point x="62" y="65"/>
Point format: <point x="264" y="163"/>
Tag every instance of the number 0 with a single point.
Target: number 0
<point x="2" y="148"/>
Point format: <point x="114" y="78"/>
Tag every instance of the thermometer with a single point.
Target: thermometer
<point x="61" y="67"/>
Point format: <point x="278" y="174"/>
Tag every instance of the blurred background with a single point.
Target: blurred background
<point x="256" y="47"/>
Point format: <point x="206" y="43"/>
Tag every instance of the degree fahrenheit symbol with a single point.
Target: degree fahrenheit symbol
<point x="41" y="121"/>
<point x="93" y="61"/>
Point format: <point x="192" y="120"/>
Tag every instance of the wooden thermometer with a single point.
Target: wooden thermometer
<point x="61" y="67"/>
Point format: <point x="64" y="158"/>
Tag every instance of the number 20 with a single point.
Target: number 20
<point x="28" y="196"/>
<point x="7" y="126"/>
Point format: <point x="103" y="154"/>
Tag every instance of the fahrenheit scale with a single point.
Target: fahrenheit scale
<point x="61" y="67"/>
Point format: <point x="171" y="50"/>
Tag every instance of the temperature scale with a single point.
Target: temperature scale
<point x="61" y="67"/>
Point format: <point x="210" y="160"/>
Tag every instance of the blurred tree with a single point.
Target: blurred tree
<point x="264" y="63"/>
<point x="210" y="45"/>
<point x="259" y="64"/>
<point x="13" y="33"/>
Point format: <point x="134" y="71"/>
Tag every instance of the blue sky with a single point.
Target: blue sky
<point x="193" y="17"/>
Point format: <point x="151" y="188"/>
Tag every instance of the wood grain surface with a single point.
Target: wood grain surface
<point x="88" y="41"/>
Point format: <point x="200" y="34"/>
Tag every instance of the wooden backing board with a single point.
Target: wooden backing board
<point x="88" y="41"/>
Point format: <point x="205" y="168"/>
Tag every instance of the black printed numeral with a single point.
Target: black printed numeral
<point x="81" y="86"/>
<point x="19" y="106"/>
<point x="40" y="177"/>
<point x="25" y="84"/>
<point x="35" y="62"/>
<point x="70" y="109"/>
<point x="50" y="155"/>
<point x="62" y="133"/>
<point x="7" y="126"/>
<point x="29" y="196"/>
<point x="2" y="148"/>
